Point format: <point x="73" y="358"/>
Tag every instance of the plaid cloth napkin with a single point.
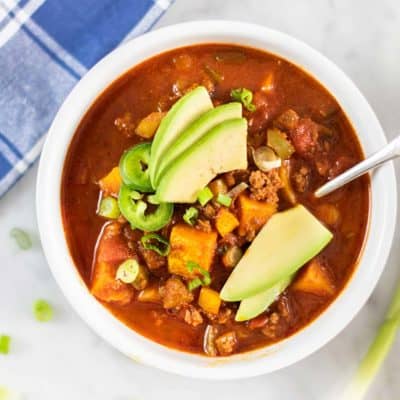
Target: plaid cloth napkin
<point x="45" y="48"/>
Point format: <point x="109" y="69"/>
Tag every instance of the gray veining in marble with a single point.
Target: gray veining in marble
<point x="64" y="359"/>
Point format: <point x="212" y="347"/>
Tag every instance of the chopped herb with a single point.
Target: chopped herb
<point x="5" y="344"/>
<point x="128" y="271"/>
<point x="108" y="208"/>
<point x="191" y="215"/>
<point x="194" y="267"/>
<point x="214" y="75"/>
<point x="224" y="200"/>
<point x="155" y="242"/>
<point x="204" y="196"/>
<point x="22" y="238"/>
<point x="245" y="96"/>
<point x="42" y="310"/>
<point x="230" y="56"/>
<point x="194" y="284"/>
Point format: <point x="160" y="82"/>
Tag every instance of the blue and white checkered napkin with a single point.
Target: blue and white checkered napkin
<point x="45" y="47"/>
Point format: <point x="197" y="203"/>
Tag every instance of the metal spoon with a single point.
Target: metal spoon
<point x="390" y="151"/>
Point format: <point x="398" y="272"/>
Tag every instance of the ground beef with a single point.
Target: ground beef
<point x="125" y="124"/>
<point x="175" y="294"/>
<point x="192" y="316"/>
<point x="264" y="186"/>
<point x="151" y="258"/>
<point x="287" y="121"/>
<point x="305" y="137"/>
<point x="203" y="225"/>
<point x="301" y="178"/>
<point x="209" y="211"/>
<point x="226" y="343"/>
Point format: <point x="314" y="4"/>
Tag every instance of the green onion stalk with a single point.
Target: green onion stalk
<point x="377" y="351"/>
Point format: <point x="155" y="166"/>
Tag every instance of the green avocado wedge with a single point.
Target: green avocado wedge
<point x="255" y="305"/>
<point x="182" y="113"/>
<point x="285" y="243"/>
<point x="221" y="149"/>
<point x="194" y="132"/>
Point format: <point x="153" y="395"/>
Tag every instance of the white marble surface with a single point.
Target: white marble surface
<point x="64" y="359"/>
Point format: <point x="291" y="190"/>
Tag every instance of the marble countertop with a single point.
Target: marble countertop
<point x="64" y="359"/>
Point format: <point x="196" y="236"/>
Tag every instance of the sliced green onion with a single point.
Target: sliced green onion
<point x="194" y="284"/>
<point x="23" y="240"/>
<point x="155" y="242"/>
<point x="195" y="267"/>
<point x="214" y="75"/>
<point x="5" y="341"/>
<point x="108" y="208"/>
<point x="224" y="200"/>
<point x="128" y="271"/>
<point x="377" y="351"/>
<point x="204" y="196"/>
<point x="245" y="96"/>
<point x="42" y="310"/>
<point x="191" y="215"/>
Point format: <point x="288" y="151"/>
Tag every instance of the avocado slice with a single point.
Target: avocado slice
<point x="288" y="240"/>
<point x="182" y="113"/>
<point x="221" y="149"/>
<point x="195" y="131"/>
<point x="253" y="306"/>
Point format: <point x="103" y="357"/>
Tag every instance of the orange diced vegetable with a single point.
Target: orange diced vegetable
<point x="225" y="222"/>
<point x="190" y="244"/>
<point x="148" y="125"/>
<point x="107" y="288"/>
<point x="209" y="300"/>
<point x="112" y="248"/>
<point x="287" y="190"/>
<point x="328" y="213"/>
<point x="314" y="278"/>
<point x="268" y="83"/>
<point x="150" y="295"/>
<point x="111" y="183"/>
<point x="253" y="214"/>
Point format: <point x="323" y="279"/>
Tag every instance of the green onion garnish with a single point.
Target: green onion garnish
<point x="194" y="267"/>
<point x="128" y="271"/>
<point x="42" y="310"/>
<point x="191" y="215"/>
<point x="377" y="352"/>
<point x="224" y="199"/>
<point x="245" y="96"/>
<point x="204" y="196"/>
<point x="214" y="75"/>
<point x="194" y="284"/>
<point x="155" y="242"/>
<point x="22" y="238"/>
<point x="108" y="208"/>
<point x="5" y="344"/>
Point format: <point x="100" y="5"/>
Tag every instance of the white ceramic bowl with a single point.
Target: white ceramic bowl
<point x="337" y="315"/>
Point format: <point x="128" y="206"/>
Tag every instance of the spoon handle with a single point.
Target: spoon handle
<point x="388" y="152"/>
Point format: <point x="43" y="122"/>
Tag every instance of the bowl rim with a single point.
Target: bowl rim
<point x="303" y="343"/>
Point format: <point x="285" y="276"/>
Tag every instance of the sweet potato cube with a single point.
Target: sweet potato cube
<point x="106" y="288"/>
<point x="225" y="222"/>
<point x="111" y="183"/>
<point x="190" y="244"/>
<point x="253" y="214"/>
<point x="209" y="300"/>
<point x="148" y="125"/>
<point x="314" y="278"/>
